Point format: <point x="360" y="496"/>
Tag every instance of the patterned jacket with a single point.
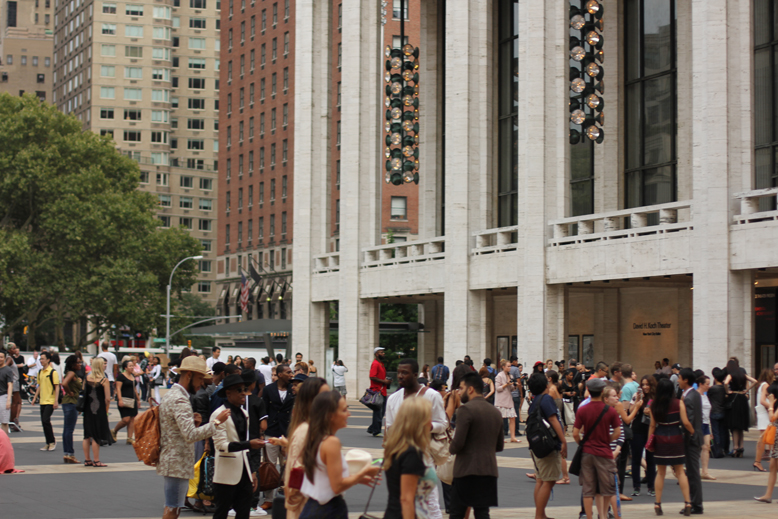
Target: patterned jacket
<point x="178" y="434"/>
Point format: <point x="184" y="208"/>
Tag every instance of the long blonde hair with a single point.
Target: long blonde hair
<point x="410" y="429"/>
<point x="98" y="368"/>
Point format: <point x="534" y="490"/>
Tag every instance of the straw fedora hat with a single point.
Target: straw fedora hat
<point x="194" y="364"/>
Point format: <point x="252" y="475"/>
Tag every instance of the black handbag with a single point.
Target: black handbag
<point x="575" y="464"/>
<point x="81" y="402"/>
<point x="372" y="399"/>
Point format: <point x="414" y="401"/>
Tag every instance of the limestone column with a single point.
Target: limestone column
<point x="428" y="351"/>
<point x="468" y="32"/>
<point x="312" y="84"/>
<point x="360" y="208"/>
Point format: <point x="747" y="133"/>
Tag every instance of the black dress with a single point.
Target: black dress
<point x="95" y="415"/>
<point x="738" y="414"/>
<point x="128" y="396"/>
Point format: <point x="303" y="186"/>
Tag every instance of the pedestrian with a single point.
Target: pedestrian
<point x="627" y="415"/>
<point x="34" y="363"/>
<point x="259" y="385"/>
<point x="179" y="429"/>
<point x="279" y="401"/>
<point x="549" y="467"/>
<point x="488" y="383"/>
<point x="772" y="399"/>
<point x="326" y="473"/>
<point x="504" y="401"/>
<point x="238" y="361"/>
<point x="516" y="391"/>
<point x="674" y="375"/>
<point x="616" y="374"/>
<point x="569" y="392"/>
<point x="410" y="478"/>
<point x="738" y="412"/>
<point x="47" y="394"/>
<point x="378" y="383"/>
<point x="230" y="360"/>
<point x="127" y="400"/>
<point x="19" y="368"/>
<point x="440" y="371"/>
<point x="301" y="368"/>
<point x="408" y="379"/>
<point x="237" y="455"/>
<point x="452" y="402"/>
<point x="478" y="437"/>
<point x="668" y="416"/>
<point x="339" y="376"/>
<point x="6" y="391"/>
<point x="424" y="376"/>
<point x="640" y="426"/>
<point x="601" y="426"/>
<point x="156" y="380"/>
<point x="214" y="358"/>
<point x="72" y="385"/>
<point x="298" y="432"/>
<point x="703" y="384"/>
<point x="298" y="357"/>
<point x="692" y="440"/>
<point x="111" y="365"/>
<point x="762" y="414"/>
<point x="97" y="399"/>
<point x="267" y="370"/>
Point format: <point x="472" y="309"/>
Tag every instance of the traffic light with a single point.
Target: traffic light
<point x="189" y="343"/>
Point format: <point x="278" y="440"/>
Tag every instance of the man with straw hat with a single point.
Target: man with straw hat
<point x="179" y="430"/>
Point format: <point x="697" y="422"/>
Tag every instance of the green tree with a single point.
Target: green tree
<point x="77" y="237"/>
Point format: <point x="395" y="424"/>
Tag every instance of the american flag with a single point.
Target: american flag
<point x="244" y="293"/>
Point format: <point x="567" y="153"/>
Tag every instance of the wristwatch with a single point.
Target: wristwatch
<point x="217" y="422"/>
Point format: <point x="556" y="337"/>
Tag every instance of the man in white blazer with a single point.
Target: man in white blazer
<point x="237" y="457"/>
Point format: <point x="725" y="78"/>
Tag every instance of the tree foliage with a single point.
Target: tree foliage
<point x="77" y="237"/>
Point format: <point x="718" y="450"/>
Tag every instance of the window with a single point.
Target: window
<point x="204" y="225"/>
<point x="133" y="73"/>
<point x="107" y="93"/>
<point x="160" y="74"/>
<point x="286" y="83"/>
<point x="340" y="17"/>
<point x="195" y="144"/>
<point x="272" y="190"/>
<point x="272" y="227"/>
<point x="133" y="10"/>
<point x="251" y="95"/>
<point x="337" y="136"/>
<point x="106" y="133"/>
<point x="240" y="199"/>
<point x="187" y="182"/>
<point x="195" y="124"/>
<point x="197" y="63"/>
<point x="106" y="50"/>
<point x="399" y="208"/>
<point x="205" y="265"/>
<point x="240" y="132"/>
<point x="260" y="232"/>
<point x="161" y="33"/>
<point x="242" y="33"/>
<point x="109" y="29"/>
<point x="107" y="71"/>
<point x="161" y="53"/>
<point x="165" y="221"/>
<point x="204" y="287"/>
<point x="241" y="99"/>
<point x="35" y="63"/>
<point x="262" y="124"/>
<point x="284" y="186"/>
<point x="251" y="61"/>
<point x="196" y="83"/>
<point x="261" y="159"/>
<point x="340" y="55"/>
<point x="650" y="103"/>
<point x="165" y="200"/>
<point x="162" y="12"/>
<point x="337" y="103"/>
<point x="133" y="94"/>
<point x="242" y="65"/>
<point x="273" y="120"/>
<point x="131" y="136"/>
<point x="274" y="47"/>
<point x="132" y="115"/>
<point x="106" y="113"/>
<point x="144" y="177"/>
<point x="227" y="203"/>
<point x="185" y="222"/>
<point x="196" y="104"/>
<point x="262" y="90"/>
<point x="286" y="10"/>
<point x="159" y="137"/>
<point x="131" y="51"/>
<point x="261" y="193"/>
<point x="109" y="8"/>
<point x="508" y="83"/>
<point x="396" y="7"/>
<point x="273" y="159"/>
<point x="251" y="162"/>
<point x="286" y="44"/>
<point x="197" y="23"/>
<point x="206" y="204"/>
<point x="273" y="83"/>
<point x="264" y="20"/>
<point x="185" y="202"/>
<point x="283" y="225"/>
<point x="133" y="31"/>
<point x="262" y="56"/>
<point x="162" y="179"/>
<point x="160" y="158"/>
<point x="284" y="151"/>
<point x="206" y="184"/>
<point x="206" y="245"/>
<point x="197" y="43"/>
<point x="197" y="4"/>
<point x="337" y="174"/>
<point x="765" y="109"/>
<point x="285" y="119"/>
<point x="275" y="15"/>
<point x="159" y="116"/>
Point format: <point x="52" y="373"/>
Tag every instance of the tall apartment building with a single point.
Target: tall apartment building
<point x="147" y="75"/>
<point x="26" y="47"/>
<point x="257" y="148"/>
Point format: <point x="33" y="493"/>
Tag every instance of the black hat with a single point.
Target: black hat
<point x="218" y="367"/>
<point x="249" y="376"/>
<point x="231" y="380"/>
<point x="299" y="378"/>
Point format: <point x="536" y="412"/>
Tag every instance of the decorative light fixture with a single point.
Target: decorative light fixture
<point x="586" y="72"/>
<point x="402" y="110"/>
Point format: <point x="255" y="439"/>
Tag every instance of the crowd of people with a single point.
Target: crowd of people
<point x="279" y="413"/>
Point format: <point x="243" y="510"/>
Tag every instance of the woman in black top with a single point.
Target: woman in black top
<point x="717" y="395"/>
<point x="738" y="414"/>
<point x="127" y="399"/>
<point x="640" y="424"/>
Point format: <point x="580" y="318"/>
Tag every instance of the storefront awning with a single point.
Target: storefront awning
<point x="253" y="328"/>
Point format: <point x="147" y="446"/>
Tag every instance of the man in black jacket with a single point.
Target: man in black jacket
<point x="279" y="401"/>
<point x="692" y="442"/>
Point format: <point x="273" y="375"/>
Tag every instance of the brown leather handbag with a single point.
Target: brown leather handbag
<point x="269" y="478"/>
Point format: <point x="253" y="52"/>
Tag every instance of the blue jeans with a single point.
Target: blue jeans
<point x="71" y="417"/>
<point x="378" y="417"/>
<point x="175" y="492"/>
<point x="638" y="445"/>
<point x="517" y="408"/>
<point x="720" y="432"/>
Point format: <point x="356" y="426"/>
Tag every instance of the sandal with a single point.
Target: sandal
<point x="563" y="481"/>
<point x="658" y="509"/>
<point x="97" y="463"/>
<point x="89" y="463"/>
<point x="758" y="466"/>
<point x="687" y="509"/>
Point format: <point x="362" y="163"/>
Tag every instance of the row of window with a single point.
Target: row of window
<point x="186" y="202"/>
<point x="135" y="94"/>
<point x="261" y="198"/>
<point x="160" y="137"/>
<point x="188" y="223"/>
<point x="185" y="181"/>
<point x="273" y="43"/>
<point x="250" y="161"/>
<point x="9" y="60"/>
<point x="273" y="118"/>
<point x="252" y="56"/>
<point x="159" y="12"/>
<point x="251" y="91"/>
<point x="264" y="12"/>
<point x="260" y="230"/>
<point x="157" y="53"/>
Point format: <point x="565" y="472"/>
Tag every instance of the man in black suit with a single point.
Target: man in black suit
<point x="279" y="401"/>
<point x="478" y="438"/>
<point x="692" y="442"/>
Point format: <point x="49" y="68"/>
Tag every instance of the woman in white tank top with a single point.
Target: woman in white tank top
<point x="326" y="472"/>
<point x="762" y="416"/>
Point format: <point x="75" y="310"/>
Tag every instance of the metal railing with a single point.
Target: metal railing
<point x="404" y="252"/>
<point x="627" y="223"/>
<point x="326" y="263"/>
<point x="758" y="205"/>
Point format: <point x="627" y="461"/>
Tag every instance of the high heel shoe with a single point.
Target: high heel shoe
<point x="658" y="509"/>
<point x="758" y="466"/>
<point x="739" y="453"/>
<point x="687" y="509"/>
<point x="763" y="500"/>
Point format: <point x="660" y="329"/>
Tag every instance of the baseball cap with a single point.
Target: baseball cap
<point x="595" y="384"/>
<point x="676" y="366"/>
<point x="378" y="349"/>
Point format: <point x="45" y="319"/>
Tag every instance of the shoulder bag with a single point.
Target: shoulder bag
<point x="269" y="477"/>
<point x="372" y="399"/>
<point x="575" y="464"/>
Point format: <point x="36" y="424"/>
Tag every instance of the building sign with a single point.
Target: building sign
<point x="651" y="328"/>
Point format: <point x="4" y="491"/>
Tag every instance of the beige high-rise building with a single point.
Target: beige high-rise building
<point x="147" y="74"/>
<point x="26" y="47"/>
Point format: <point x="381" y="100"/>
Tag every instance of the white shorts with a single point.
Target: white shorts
<point x="5" y="414"/>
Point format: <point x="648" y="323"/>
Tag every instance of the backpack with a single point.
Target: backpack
<point x="61" y="389"/>
<point x="440" y="373"/>
<point x="147" y="437"/>
<point x="542" y="440"/>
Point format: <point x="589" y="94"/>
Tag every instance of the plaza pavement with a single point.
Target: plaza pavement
<point x="128" y="489"/>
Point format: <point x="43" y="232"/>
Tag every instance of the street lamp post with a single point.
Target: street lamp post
<point x="167" y="314"/>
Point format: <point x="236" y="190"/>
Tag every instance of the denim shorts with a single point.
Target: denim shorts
<point x="706" y="429"/>
<point x="175" y="492"/>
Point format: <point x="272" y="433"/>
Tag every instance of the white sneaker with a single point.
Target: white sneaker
<point x="257" y="512"/>
<point x="231" y="513"/>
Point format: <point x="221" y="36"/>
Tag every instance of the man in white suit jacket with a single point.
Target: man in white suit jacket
<point x="235" y="475"/>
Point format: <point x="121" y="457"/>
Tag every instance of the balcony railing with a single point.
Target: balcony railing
<point x="757" y="206"/>
<point x="668" y="218"/>
<point x="404" y="252"/>
<point x="493" y="241"/>
<point x="326" y="263"/>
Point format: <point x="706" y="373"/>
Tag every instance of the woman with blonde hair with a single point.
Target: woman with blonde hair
<point x="97" y="394"/>
<point x="408" y="440"/>
<point x="503" y="401"/>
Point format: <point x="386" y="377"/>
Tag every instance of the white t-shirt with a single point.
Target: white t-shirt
<point x="267" y="372"/>
<point x="34" y="366"/>
<point x="339" y="376"/>
<point x="439" y="418"/>
<point x="210" y="362"/>
<point x="282" y="394"/>
<point x="110" y="362"/>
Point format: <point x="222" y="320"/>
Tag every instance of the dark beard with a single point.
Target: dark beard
<point x="464" y="398"/>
